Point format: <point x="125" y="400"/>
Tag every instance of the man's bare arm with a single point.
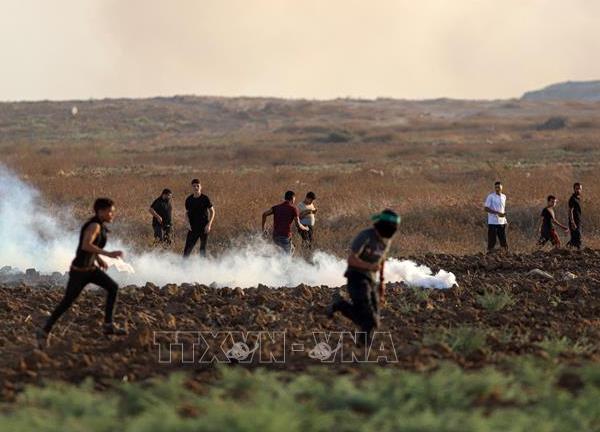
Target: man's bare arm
<point x="264" y="217"/>
<point x="211" y="215"/>
<point x="89" y="236"/>
<point x="156" y="215"/>
<point x="555" y="222"/>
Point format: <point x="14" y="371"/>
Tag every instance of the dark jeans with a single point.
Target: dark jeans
<point x="307" y="236"/>
<point x="77" y="281"/>
<point x="162" y="233"/>
<point x="364" y="308"/>
<point x="284" y="243"/>
<point x="575" y="240"/>
<point x="192" y="239"/>
<point x="498" y="231"/>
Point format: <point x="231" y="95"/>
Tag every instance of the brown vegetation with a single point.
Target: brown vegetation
<point x="433" y="161"/>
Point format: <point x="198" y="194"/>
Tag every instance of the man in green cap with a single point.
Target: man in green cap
<point x="367" y="256"/>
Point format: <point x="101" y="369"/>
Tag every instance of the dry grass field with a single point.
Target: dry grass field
<point x="433" y="161"/>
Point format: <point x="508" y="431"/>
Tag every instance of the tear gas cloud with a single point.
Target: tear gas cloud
<point x="33" y="238"/>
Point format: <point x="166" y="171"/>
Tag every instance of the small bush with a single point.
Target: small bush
<point x="495" y="301"/>
<point x="466" y="340"/>
<point x="556" y="346"/>
<point x="463" y="340"/>
<point x="421" y="294"/>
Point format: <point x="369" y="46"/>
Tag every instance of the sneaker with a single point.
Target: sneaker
<point x="112" y="329"/>
<point x="41" y="338"/>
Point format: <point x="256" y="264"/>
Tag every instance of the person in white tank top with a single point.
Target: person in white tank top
<point x="307" y="217"/>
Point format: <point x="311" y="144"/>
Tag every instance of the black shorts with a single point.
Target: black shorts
<point x="549" y="236"/>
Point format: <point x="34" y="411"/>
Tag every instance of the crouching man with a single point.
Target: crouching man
<point x="367" y="256"/>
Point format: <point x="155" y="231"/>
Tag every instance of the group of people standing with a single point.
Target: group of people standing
<point x="495" y="206"/>
<point x="200" y="214"/>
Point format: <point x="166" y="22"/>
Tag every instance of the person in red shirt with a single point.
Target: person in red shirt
<point x="284" y="215"/>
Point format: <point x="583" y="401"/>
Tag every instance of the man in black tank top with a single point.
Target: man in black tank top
<point x="88" y="267"/>
<point x="547" y="222"/>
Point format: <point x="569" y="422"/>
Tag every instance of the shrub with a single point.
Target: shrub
<point x="495" y="301"/>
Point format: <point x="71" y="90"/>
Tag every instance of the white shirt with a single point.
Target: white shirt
<point x="498" y="203"/>
<point x="309" y="219"/>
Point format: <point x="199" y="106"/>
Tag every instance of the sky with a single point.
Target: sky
<point x="314" y="49"/>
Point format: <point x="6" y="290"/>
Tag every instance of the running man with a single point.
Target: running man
<point x="367" y="257"/>
<point x="307" y="218"/>
<point x="575" y="217"/>
<point x="547" y="222"/>
<point x="495" y="206"/>
<point x="201" y="214"/>
<point x="88" y="267"/>
<point x="284" y="215"/>
<point x="161" y="211"/>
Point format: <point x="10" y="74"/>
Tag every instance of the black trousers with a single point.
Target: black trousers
<point x="496" y="231"/>
<point x="363" y="309"/>
<point x="77" y="281"/>
<point x="307" y="237"/>
<point x="575" y="240"/>
<point x="162" y="233"/>
<point x="192" y="239"/>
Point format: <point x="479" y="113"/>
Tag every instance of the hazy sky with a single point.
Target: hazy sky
<point x="65" y="49"/>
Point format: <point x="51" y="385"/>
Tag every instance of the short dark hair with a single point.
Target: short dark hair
<point x="166" y="191"/>
<point x="289" y="195"/>
<point x="551" y="197"/>
<point x="103" y="203"/>
<point x="311" y="195"/>
<point x="497" y="183"/>
<point x="577" y="184"/>
<point x="195" y="181"/>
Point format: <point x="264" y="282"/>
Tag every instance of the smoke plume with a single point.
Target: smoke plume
<point x="33" y="238"/>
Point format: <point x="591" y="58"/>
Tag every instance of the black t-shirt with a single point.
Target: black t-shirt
<point x="575" y="204"/>
<point x="197" y="210"/>
<point x="547" y="215"/>
<point x="164" y="209"/>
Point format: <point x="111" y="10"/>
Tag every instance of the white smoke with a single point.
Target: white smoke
<point x="33" y="238"/>
<point x="29" y="235"/>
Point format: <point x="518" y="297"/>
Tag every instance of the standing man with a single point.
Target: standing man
<point x="575" y="216"/>
<point x="307" y="218"/>
<point x="88" y="268"/>
<point x="495" y="206"/>
<point x="547" y="222"/>
<point x="162" y="211"/>
<point x="366" y="260"/>
<point x="284" y="215"/>
<point x="201" y="214"/>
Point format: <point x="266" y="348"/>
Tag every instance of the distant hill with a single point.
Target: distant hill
<point x="570" y="90"/>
